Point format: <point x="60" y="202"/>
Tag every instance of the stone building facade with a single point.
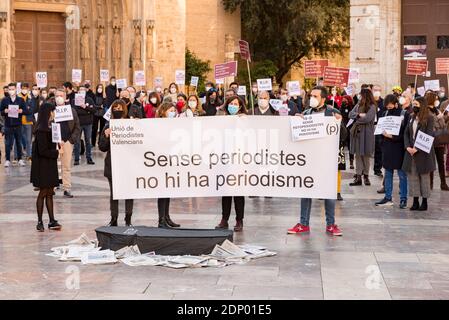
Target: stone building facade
<point x="121" y="36"/>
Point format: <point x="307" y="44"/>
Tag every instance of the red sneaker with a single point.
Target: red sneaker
<point x="334" y="231"/>
<point x="299" y="229"/>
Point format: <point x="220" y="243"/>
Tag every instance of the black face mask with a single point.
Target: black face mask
<point x="117" y="114"/>
<point x="416" y="110"/>
<point x="126" y="100"/>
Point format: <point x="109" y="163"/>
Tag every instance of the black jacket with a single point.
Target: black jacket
<point x="44" y="166"/>
<point x="393" y="149"/>
<point x="136" y="110"/>
<point x="86" y="116"/>
<point x="105" y="146"/>
<point x="13" y="122"/>
<point x="111" y="96"/>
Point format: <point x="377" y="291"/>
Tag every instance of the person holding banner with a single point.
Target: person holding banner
<point x="362" y="135"/>
<point x="119" y="111"/>
<point x="417" y="163"/>
<point x="213" y="103"/>
<point x="234" y="106"/>
<point x="44" y="167"/>
<point x="193" y="108"/>
<point x="393" y="154"/>
<point x="440" y="129"/>
<point x="263" y="107"/>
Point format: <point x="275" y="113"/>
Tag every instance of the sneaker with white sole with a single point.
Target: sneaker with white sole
<point x="22" y="163"/>
<point x="7" y="164"/>
<point x="384" y="203"/>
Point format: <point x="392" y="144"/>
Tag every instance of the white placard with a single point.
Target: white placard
<point x="180" y="77"/>
<point x="56" y="136"/>
<point x="13" y="111"/>
<point x="422" y="91"/>
<point x="36" y="116"/>
<point x="63" y="113"/>
<point x="424" y="142"/>
<point x="354" y="75"/>
<point x="264" y="85"/>
<point x="294" y="88"/>
<point x="390" y="125"/>
<point x="447" y="109"/>
<point x="213" y="160"/>
<point x="80" y="99"/>
<point x="77" y="75"/>
<point x="349" y="90"/>
<point x="122" y="83"/>
<point x="276" y="104"/>
<point x="241" y="91"/>
<point x="219" y="81"/>
<point x="433" y="85"/>
<point x="41" y="79"/>
<point x="194" y="81"/>
<point x="104" y="75"/>
<point x="139" y="78"/>
<point x="309" y="127"/>
<point x="107" y="115"/>
<point x="158" y="82"/>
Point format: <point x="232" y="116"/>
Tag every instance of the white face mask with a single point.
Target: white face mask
<point x="35" y="93"/>
<point x="402" y="100"/>
<point x="12" y="93"/>
<point x="208" y="88"/>
<point x="314" y="103"/>
<point x="263" y="104"/>
<point x="60" y="101"/>
<point x="113" y="83"/>
<point x="437" y="103"/>
<point x="377" y="94"/>
<point x="192" y="104"/>
<point x="173" y="90"/>
<point x="153" y="100"/>
<point x="133" y="95"/>
<point x="45" y="96"/>
<point x="284" y="97"/>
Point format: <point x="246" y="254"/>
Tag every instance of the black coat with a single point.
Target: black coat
<point x="86" y="116"/>
<point x="105" y="146"/>
<point x="111" y="95"/>
<point x="393" y="149"/>
<point x="44" y="167"/>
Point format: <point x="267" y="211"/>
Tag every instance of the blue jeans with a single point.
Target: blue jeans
<point x="403" y="184"/>
<point x="27" y="138"/>
<point x="87" y="129"/>
<point x="306" y="207"/>
<point x="13" y="134"/>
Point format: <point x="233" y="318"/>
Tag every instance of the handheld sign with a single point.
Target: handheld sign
<point x="13" y="111"/>
<point x="442" y="65"/>
<point x="41" y="79"/>
<point x="276" y="104"/>
<point x="56" y="133"/>
<point x="63" y="113"/>
<point x="315" y="68"/>
<point x="336" y="77"/>
<point x="424" y="142"/>
<point x="354" y="75"/>
<point x="77" y="75"/>
<point x="158" y="82"/>
<point x="194" y="81"/>
<point x="311" y="127"/>
<point x="219" y="81"/>
<point x="104" y="75"/>
<point x="264" y="84"/>
<point x="422" y="91"/>
<point x="294" y="88"/>
<point x="180" y="77"/>
<point x="417" y="67"/>
<point x="139" y="78"/>
<point x="390" y="125"/>
<point x="245" y="53"/>
<point x="122" y="83"/>
<point x="80" y="99"/>
<point x="241" y="91"/>
<point x="433" y="85"/>
<point x="107" y="115"/>
<point x="225" y="70"/>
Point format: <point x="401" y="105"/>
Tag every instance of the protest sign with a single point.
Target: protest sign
<point x="442" y="65"/>
<point x="225" y="70"/>
<point x="422" y="91"/>
<point x="241" y="91"/>
<point x="13" y="111"/>
<point x="264" y="85"/>
<point x="107" y="115"/>
<point x="104" y="75"/>
<point x="41" y="79"/>
<point x="390" y="125"/>
<point x="336" y="77"/>
<point x="276" y="104"/>
<point x="219" y="81"/>
<point x="80" y="99"/>
<point x="309" y="127"/>
<point x="354" y="75"/>
<point x="194" y="81"/>
<point x="417" y="67"/>
<point x="424" y="142"/>
<point x="433" y="85"/>
<point x="139" y="78"/>
<point x="180" y="77"/>
<point x="158" y="82"/>
<point x="63" y="113"/>
<point x="122" y="83"/>
<point x="294" y="88"/>
<point x="315" y="68"/>
<point x="221" y="156"/>
<point x="245" y="53"/>
<point x="77" y="75"/>
<point x="56" y="136"/>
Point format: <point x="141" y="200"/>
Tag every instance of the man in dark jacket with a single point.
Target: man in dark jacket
<point x="111" y="93"/>
<point x="13" y="123"/>
<point x="85" y="113"/>
<point x="377" y="92"/>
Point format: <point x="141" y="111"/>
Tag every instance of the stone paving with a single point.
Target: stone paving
<point x="384" y="253"/>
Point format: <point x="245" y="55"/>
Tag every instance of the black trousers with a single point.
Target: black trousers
<point x="239" y="203"/>
<point x="129" y="204"/>
<point x="439" y="152"/>
<point x="96" y="128"/>
<point x="163" y="207"/>
<point x="378" y="154"/>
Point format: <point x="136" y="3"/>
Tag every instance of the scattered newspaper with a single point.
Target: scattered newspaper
<point x="87" y="252"/>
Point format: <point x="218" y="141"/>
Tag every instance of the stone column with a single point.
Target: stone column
<point x="5" y="55"/>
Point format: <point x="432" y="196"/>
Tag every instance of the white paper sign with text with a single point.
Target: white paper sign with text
<point x="56" y="136"/>
<point x="390" y="125"/>
<point x="309" y="127"/>
<point x="63" y="113"/>
<point x="264" y="84"/>
<point x="424" y="142"/>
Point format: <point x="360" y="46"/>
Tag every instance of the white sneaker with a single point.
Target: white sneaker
<point x="22" y="163"/>
<point x="7" y="164"/>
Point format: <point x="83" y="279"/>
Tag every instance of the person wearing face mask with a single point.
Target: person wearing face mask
<point x="89" y="92"/>
<point x="69" y="92"/>
<point x="393" y="155"/>
<point x="13" y="124"/>
<point x="44" y="95"/>
<point x="44" y="166"/>
<point x="153" y="104"/>
<point x="27" y="122"/>
<point x="137" y="108"/>
<point x="70" y="134"/>
<point x="125" y="97"/>
<point x="181" y="102"/>
<point x="439" y="146"/>
<point x="33" y="103"/>
<point x="377" y="93"/>
<point x="213" y="103"/>
<point x="289" y="104"/>
<point x="99" y="111"/>
<point x="362" y="136"/>
<point x="405" y="101"/>
<point x="419" y="164"/>
<point x="111" y="93"/>
<point x="118" y="111"/>
<point x="442" y="95"/>
<point x="234" y="106"/>
<point x="263" y="107"/>
<point x="193" y="108"/>
<point x="318" y="105"/>
<point x="86" y="117"/>
<point x="173" y="90"/>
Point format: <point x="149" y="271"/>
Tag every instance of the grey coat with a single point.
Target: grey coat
<point x="425" y="163"/>
<point x="362" y="132"/>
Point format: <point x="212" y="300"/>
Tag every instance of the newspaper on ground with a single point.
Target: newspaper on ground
<point x="127" y="252"/>
<point x="99" y="257"/>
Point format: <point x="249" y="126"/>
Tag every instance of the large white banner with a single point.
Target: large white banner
<point x="221" y="156"/>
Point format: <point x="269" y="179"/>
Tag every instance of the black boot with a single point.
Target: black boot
<point x="357" y="181"/>
<point x="163" y="223"/>
<point x="224" y="225"/>
<point x="128" y="220"/>
<point x="444" y="186"/>
<point x="415" y="206"/>
<point x="114" y="218"/>
<point x="339" y="197"/>
<point x="170" y="222"/>
<point x="424" y="206"/>
<point x="367" y="182"/>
